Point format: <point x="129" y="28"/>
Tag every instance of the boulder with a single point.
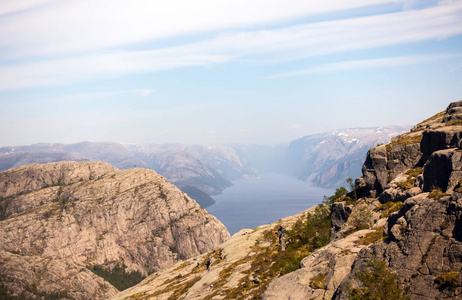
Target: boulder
<point x="443" y="170"/>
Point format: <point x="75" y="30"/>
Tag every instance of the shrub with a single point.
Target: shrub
<point x="372" y="237"/>
<point x="318" y="281"/>
<point x="389" y="208"/>
<point x="378" y="283"/>
<point x="120" y="279"/>
<point x="339" y="194"/>
<point x="437" y="194"/>
<point x="448" y="279"/>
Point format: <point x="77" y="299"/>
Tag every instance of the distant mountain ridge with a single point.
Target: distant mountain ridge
<point x="327" y="159"/>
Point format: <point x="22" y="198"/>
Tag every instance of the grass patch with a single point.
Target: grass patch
<point x="411" y="178"/>
<point x="183" y="265"/>
<point x="437" y="194"/>
<point x="454" y="123"/>
<point x="308" y="234"/>
<point x="183" y="288"/>
<point x="435" y="118"/>
<point x="318" y="281"/>
<point x="371" y="237"/>
<point x="448" y="279"/>
<point x="458" y="187"/>
<point x="389" y="208"/>
<point x="404" y="140"/>
<point x="378" y="283"/>
<point x="120" y="279"/>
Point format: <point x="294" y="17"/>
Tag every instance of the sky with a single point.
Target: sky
<point x="215" y="72"/>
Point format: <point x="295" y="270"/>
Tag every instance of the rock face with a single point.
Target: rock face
<point x="410" y="222"/>
<point x="232" y="271"/>
<point x="62" y="219"/>
<point x="398" y="235"/>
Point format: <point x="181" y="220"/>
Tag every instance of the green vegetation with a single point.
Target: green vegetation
<point x="340" y="193"/>
<point x="454" y="123"/>
<point x="448" y="279"/>
<point x="372" y="237"/>
<point x="435" y="118"/>
<point x="404" y="140"/>
<point x="359" y="221"/>
<point x="437" y="194"/>
<point x="318" y="281"/>
<point x="120" y="279"/>
<point x="411" y="178"/>
<point x="378" y="283"/>
<point x="307" y="234"/>
<point x="389" y="208"/>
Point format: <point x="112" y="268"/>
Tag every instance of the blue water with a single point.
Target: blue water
<point x="254" y="202"/>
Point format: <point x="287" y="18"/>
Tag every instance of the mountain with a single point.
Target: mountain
<point x="198" y="170"/>
<point x="396" y="235"/>
<point x="113" y="153"/>
<point x="327" y="159"/>
<point x="82" y="230"/>
<point x="22" y="158"/>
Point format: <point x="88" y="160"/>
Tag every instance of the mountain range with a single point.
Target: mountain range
<point x="202" y="171"/>
<point x="87" y="230"/>
<point x="396" y="235"/>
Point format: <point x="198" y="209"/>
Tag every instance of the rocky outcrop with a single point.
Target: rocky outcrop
<point x="72" y="217"/>
<point x="422" y="240"/>
<point x="237" y="269"/>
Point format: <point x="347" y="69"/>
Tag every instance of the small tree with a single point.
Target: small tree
<point x="378" y="282"/>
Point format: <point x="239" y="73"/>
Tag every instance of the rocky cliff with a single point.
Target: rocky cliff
<point x="70" y="229"/>
<point x="397" y="235"/>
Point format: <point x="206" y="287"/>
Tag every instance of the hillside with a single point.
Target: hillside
<point x="82" y="229"/>
<point x="397" y="235"/>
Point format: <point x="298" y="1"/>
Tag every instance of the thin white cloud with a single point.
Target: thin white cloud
<point x="144" y="92"/>
<point x="76" y="25"/>
<point x="272" y="45"/>
<point x="369" y="64"/>
<point x="14" y="6"/>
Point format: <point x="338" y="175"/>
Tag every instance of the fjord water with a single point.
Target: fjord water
<point x="254" y="202"/>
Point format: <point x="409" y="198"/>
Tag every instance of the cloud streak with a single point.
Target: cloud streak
<point x="268" y="46"/>
<point x="370" y="64"/>
<point x="76" y="25"/>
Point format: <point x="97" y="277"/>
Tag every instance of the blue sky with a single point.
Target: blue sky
<point x="222" y="71"/>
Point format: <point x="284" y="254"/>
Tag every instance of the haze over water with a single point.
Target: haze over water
<point x="254" y="202"/>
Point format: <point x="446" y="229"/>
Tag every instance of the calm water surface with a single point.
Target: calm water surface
<point x="254" y="202"/>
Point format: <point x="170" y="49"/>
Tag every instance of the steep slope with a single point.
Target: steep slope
<point x="61" y="220"/>
<point x="398" y="235"/>
<point x="240" y="268"/>
<point x="329" y="158"/>
<point x="411" y="198"/>
<point x="197" y="170"/>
